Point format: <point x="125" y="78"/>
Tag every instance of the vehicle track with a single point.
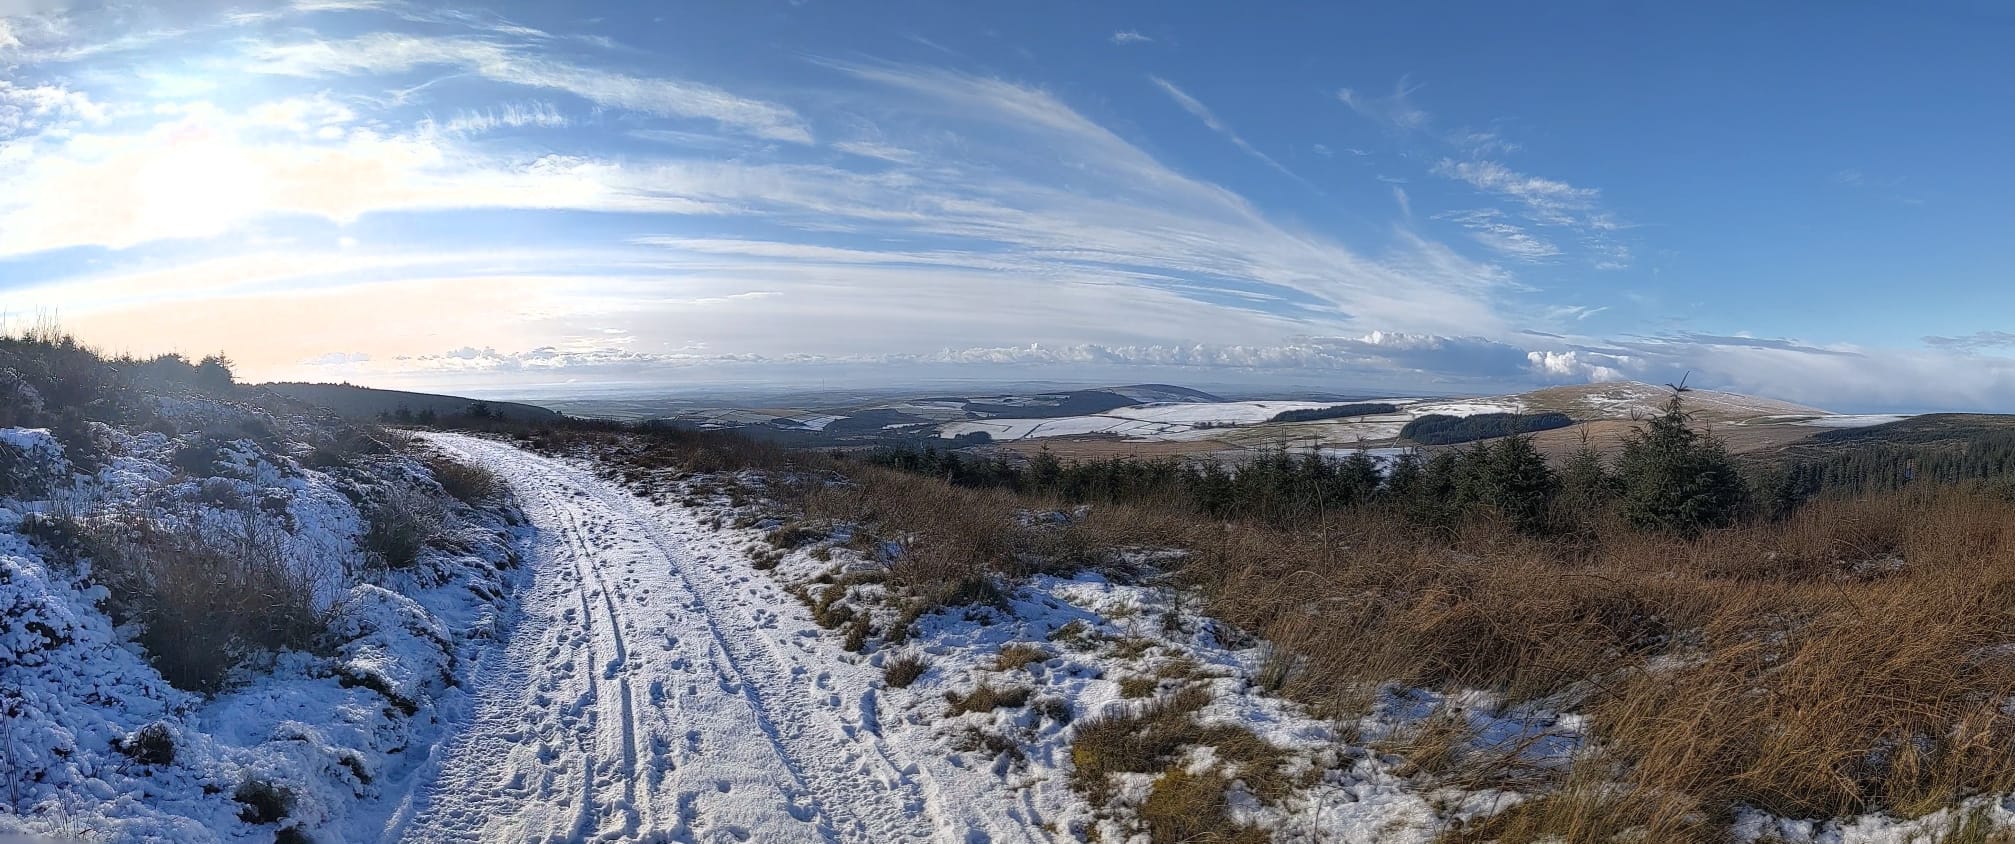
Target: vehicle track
<point x="660" y="689"/>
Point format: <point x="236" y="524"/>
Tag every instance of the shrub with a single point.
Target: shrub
<point x="263" y="802"/>
<point x="153" y="744"/>
<point x="20" y="402"/>
<point x="199" y="456"/>
<point x="467" y="482"/>
<point x="793" y="535"/>
<point x="900" y="671"/>
<point x="204" y="601"/>
<point x="400" y="524"/>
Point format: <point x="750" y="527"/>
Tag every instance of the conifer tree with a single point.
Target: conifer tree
<point x="1676" y="479"/>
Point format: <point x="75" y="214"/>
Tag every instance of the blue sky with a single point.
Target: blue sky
<point x="539" y="198"/>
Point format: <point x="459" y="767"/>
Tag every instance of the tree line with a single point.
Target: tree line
<point x="1668" y="477"/>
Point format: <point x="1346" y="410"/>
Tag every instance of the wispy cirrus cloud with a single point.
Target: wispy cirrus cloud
<point x="1127" y="36"/>
<point x="537" y="115"/>
<point x="1470" y="156"/>
<point x="1549" y="201"/>
<point x="1489" y="227"/>
<point x="389" y="53"/>
<point x="1202" y="112"/>
<point x="1395" y="111"/>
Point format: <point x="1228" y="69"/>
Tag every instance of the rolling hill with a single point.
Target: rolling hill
<point x="365" y="403"/>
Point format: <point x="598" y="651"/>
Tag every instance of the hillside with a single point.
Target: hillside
<point x="1636" y="400"/>
<point x="370" y="404"/>
<point x="224" y="615"/>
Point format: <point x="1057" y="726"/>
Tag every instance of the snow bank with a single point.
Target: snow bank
<point x="96" y="742"/>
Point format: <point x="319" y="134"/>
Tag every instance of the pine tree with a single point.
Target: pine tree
<point x="1512" y="478"/>
<point x="214" y="371"/>
<point x="1677" y="480"/>
<point x="1587" y="489"/>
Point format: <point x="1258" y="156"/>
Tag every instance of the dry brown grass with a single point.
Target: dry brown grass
<point x="470" y="483"/>
<point x="1850" y="659"/>
<point x="1142" y="740"/>
<point x="1183" y="806"/>
<point x="900" y="671"/>
<point x="987" y="698"/>
<point x="1017" y="655"/>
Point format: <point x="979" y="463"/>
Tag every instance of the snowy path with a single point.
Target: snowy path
<point x="659" y="689"/>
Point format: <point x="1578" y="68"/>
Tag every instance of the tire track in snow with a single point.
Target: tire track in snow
<point x="739" y="736"/>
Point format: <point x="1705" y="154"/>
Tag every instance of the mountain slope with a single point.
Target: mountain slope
<point x="1636" y="400"/>
<point x="369" y="404"/>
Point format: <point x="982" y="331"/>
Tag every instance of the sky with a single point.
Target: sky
<point x="1807" y="201"/>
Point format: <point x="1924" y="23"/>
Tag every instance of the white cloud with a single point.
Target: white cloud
<point x="1395" y="111"/>
<point x="507" y="116"/>
<point x="1575" y="312"/>
<point x="1203" y="113"/>
<point x="28" y="109"/>
<point x="885" y="152"/>
<point x="1128" y="36"/>
<point x="1578" y="366"/>
<point x="1548" y="200"/>
<point x="386" y="53"/>
<point x="1488" y="227"/>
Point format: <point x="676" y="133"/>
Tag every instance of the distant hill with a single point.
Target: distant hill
<point x="1144" y="393"/>
<point x="354" y="402"/>
<point x="1636" y="400"/>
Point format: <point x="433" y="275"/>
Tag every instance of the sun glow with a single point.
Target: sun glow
<point x="203" y="184"/>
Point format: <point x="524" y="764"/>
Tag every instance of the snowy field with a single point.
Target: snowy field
<point x="1181" y="421"/>
<point x="1842" y="420"/>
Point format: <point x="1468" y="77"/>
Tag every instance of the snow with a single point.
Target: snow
<point x="34" y="442"/>
<point x="73" y="689"/>
<point x="1843" y="420"/>
<point x="1158" y="421"/>
<point x="1472" y="407"/>
<point x="1223" y="413"/>
<point x="661" y="688"/>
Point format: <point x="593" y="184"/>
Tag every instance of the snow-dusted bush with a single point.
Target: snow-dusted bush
<point x="30" y="463"/>
<point x="401" y="523"/>
<point x="467" y="482"/>
<point x="203" y="600"/>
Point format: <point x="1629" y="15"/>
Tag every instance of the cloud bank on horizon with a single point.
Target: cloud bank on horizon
<point x="540" y="197"/>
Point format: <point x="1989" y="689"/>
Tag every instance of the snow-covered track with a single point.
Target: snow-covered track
<point x="659" y="689"/>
